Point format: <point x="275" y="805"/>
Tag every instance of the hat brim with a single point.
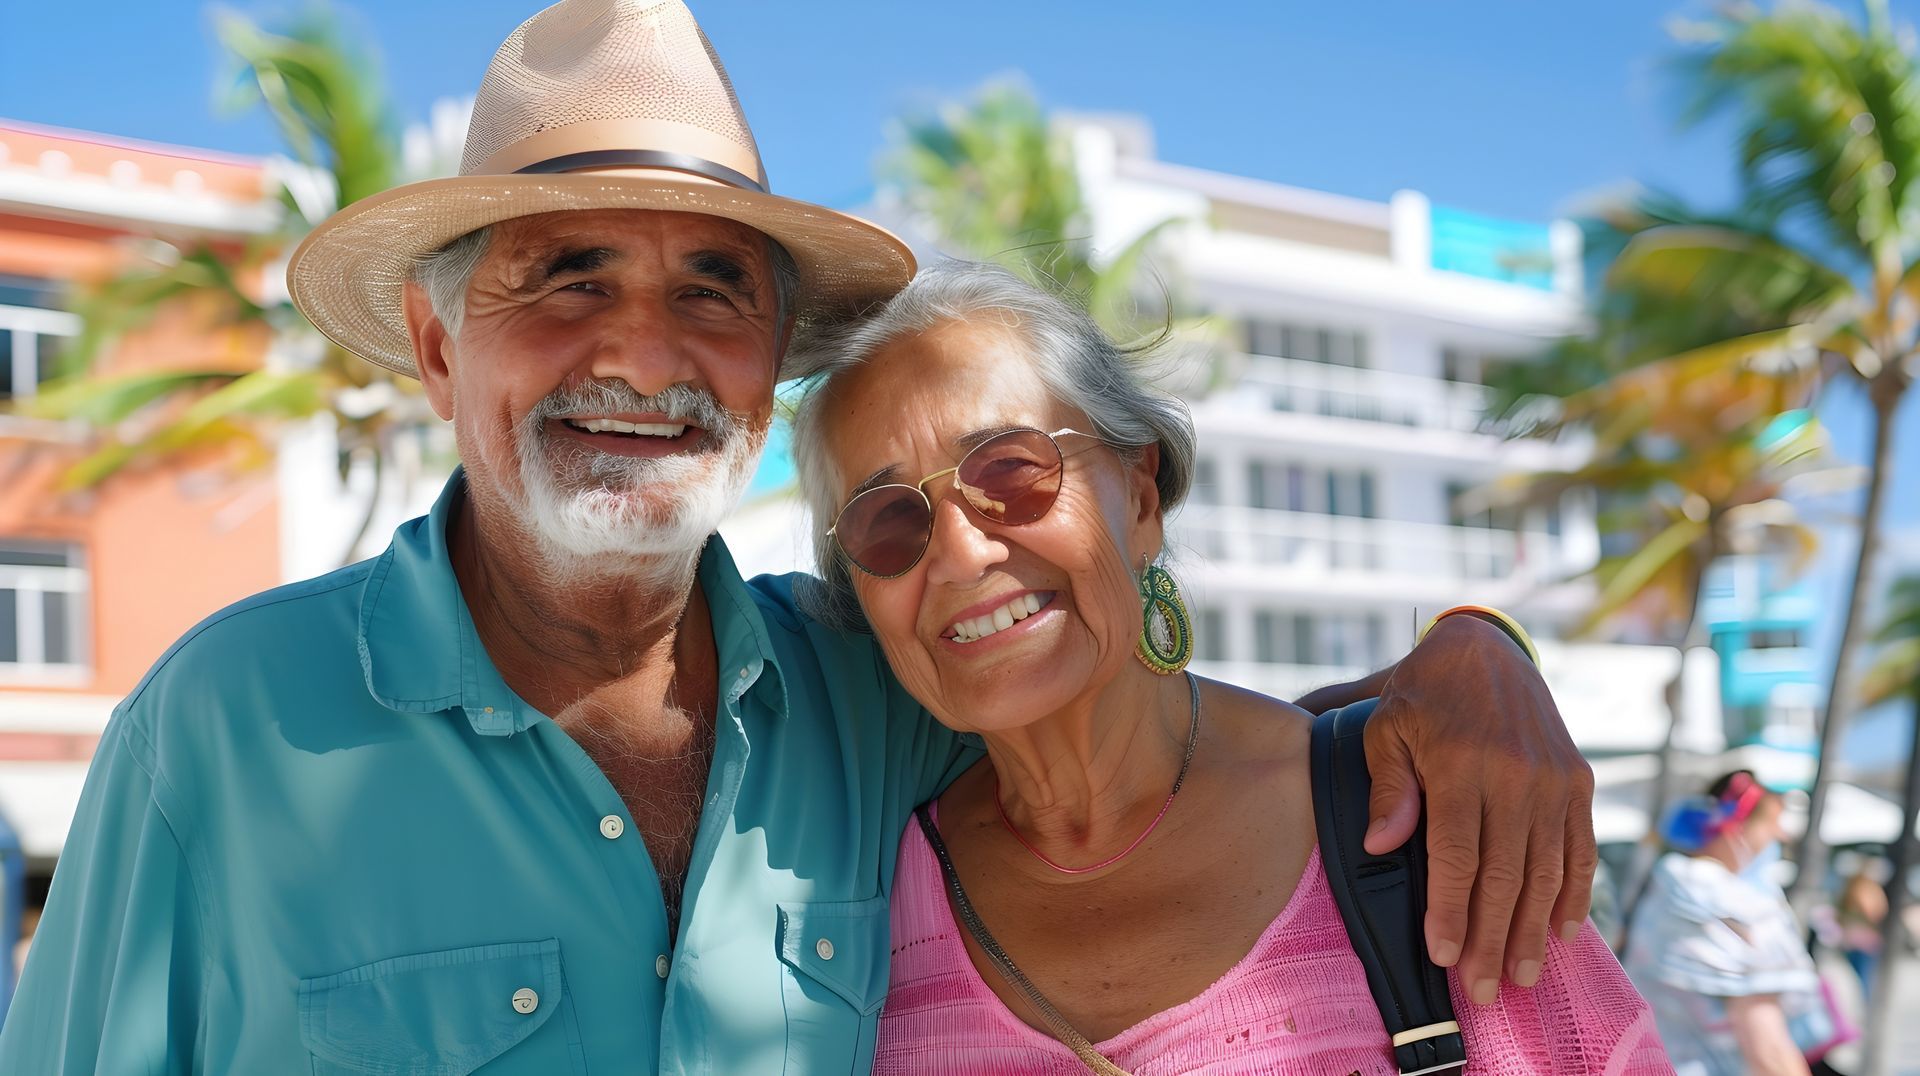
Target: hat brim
<point x="348" y="275"/>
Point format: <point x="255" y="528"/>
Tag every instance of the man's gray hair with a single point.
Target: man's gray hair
<point x="447" y="272"/>
<point x="1078" y="362"/>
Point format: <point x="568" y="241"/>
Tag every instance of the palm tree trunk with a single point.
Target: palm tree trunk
<point x="1644" y="854"/>
<point x="373" y="507"/>
<point x="1811" y="856"/>
<point x="1893" y="932"/>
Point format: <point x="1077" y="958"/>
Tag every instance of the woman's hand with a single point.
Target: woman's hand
<point x="1509" y="801"/>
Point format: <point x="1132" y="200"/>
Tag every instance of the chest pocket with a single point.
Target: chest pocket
<point x="492" y="1009"/>
<point x="836" y="957"/>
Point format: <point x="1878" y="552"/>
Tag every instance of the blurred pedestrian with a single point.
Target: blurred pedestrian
<point x="1717" y="950"/>
<point x="1860" y="913"/>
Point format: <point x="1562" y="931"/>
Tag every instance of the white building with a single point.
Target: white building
<point x="1346" y="419"/>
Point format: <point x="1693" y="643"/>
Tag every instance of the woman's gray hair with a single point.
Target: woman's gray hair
<point x="446" y="273"/>
<point x="1078" y="362"/>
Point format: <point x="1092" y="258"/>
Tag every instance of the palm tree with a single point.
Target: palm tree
<point x="1895" y="674"/>
<point x="1690" y="466"/>
<point x="1815" y="276"/>
<point x="319" y="89"/>
<point x="996" y="180"/>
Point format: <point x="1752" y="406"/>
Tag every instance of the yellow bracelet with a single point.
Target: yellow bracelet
<point x="1501" y="620"/>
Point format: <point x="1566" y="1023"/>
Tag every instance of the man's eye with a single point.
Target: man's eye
<point x="584" y="286"/>
<point x="705" y="293"/>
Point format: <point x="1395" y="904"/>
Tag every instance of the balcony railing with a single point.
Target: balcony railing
<point x="1347" y="392"/>
<point x="1310" y="542"/>
<point x="1277" y="680"/>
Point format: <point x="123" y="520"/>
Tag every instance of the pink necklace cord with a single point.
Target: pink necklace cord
<point x="1193" y="738"/>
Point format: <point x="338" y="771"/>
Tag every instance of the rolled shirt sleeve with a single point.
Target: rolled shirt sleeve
<point x="115" y="974"/>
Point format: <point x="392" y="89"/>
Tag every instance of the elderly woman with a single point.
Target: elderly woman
<point x="992" y="479"/>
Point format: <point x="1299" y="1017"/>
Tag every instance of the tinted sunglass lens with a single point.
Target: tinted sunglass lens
<point x="884" y="531"/>
<point x="1013" y="478"/>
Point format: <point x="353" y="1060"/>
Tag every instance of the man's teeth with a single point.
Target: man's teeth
<point x="614" y="425"/>
<point x="979" y="627"/>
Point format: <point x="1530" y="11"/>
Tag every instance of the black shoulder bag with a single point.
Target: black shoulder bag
<point x="1382" y="899"/>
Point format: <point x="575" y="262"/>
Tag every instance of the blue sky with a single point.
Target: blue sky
<point x="1501" y="106"/>
<point x="1520" y="109"/>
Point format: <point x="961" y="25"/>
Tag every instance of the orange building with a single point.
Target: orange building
<point x="95" y="585"/>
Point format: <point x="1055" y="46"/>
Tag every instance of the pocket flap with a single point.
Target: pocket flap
<point x="447" y="1012"/>
<point x="842" y="945"/>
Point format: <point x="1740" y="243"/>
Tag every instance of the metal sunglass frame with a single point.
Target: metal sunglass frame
<point x="920" y="488"/>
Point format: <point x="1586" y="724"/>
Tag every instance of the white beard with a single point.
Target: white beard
<point x="594" y="514"/>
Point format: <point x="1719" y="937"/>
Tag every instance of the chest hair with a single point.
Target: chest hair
<point x="660" y="774"/>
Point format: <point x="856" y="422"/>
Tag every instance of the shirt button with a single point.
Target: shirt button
<point x="744" y="673"/>
<point x="525" y="1001"/>
<point x="824" y="948"/>
<point x="661" y="965"/>
<point x="611" y="827"/>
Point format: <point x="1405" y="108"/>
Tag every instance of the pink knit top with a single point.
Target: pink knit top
<point x="1296" y="1005"/>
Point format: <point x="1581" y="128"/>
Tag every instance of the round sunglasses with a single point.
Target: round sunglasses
<point x="1010" y="478"/>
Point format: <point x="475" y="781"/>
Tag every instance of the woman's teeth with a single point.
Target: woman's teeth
<point x="641" y="429"/>
<point x="979" y="627"/>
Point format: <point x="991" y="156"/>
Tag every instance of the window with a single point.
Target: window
<point x="1310" y="343"/>
<point x="43" y="592"/>
<point x="1774" y="639"/>
<point x="1344" y="639"/>
<point x="1206" y="482"/>
<point x="32" y="331"/>
<point x="1210" y="635"/>
<point x="1471" y="366"/>
<point x="1295" y="488"/>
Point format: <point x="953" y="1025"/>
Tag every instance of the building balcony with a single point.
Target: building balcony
<point x="1378" y="413"/>
<point x="1387" y="555"/>
<point x="1359" y="394"/>
<point x="1276" y="680"/>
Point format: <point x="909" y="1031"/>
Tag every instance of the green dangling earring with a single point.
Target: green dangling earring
<point x="1166" y="637"/>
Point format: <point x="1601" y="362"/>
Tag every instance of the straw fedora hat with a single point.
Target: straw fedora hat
<point x="590" y="104"/>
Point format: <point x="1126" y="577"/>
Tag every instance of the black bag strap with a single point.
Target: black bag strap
<point x="1382" y="899"/>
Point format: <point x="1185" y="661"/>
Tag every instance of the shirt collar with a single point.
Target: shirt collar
<point x="420" y="653"/>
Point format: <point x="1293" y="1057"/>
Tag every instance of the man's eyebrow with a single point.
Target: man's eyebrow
<point x="571" y="260"/>
<point x="724" y="268"/>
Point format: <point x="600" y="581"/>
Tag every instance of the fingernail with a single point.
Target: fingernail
<point x="1445" y="953"/>
<point x="1485" y="991"/>
<point x="1570" y="930"/>
<point x="1526" y="973"/>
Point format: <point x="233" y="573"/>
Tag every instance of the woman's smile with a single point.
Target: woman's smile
<point x="999" y="622"/>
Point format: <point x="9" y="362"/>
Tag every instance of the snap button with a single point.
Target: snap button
<point x="824" y="948"/>
<point x="611" y="827"/>
<point x="489" y="709"/>
<point x="743" y="674"/>
<point x="525" y="1001"/>
<point x="661" y="965"/>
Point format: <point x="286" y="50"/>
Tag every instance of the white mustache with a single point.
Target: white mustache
<point x="680" y="403"/>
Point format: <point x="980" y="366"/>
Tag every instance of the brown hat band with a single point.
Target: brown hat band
<point x="643" y="158"/>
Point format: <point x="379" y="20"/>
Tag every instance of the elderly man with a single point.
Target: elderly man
<point x="547" y="788"/>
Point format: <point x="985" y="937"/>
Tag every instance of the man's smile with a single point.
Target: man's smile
<point x="642" y="436"/>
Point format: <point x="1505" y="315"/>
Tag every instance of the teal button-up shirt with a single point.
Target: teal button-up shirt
<point x="324" y="836"/>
